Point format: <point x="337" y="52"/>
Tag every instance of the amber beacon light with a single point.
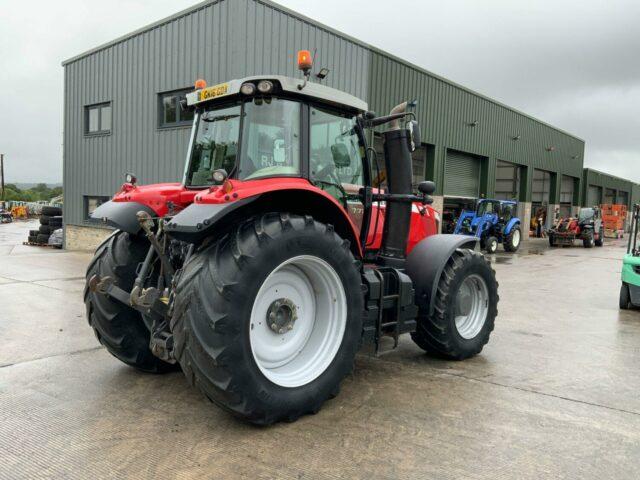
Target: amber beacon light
<point x="304" y="60"/>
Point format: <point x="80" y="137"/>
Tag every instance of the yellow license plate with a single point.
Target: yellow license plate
<point x="214" y="91"/>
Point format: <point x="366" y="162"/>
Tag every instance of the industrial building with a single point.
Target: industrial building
<point x="121" y="112"/>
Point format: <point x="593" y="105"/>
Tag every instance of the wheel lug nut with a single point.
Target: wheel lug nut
<point x="272" y="315"/>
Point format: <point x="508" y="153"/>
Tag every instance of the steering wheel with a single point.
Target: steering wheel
<point x="328" y="171"/>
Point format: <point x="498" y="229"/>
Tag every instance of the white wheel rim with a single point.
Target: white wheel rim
<point x="471" y="306"/>
<point x="305" y="346"/>
<point x="515" y="238"/>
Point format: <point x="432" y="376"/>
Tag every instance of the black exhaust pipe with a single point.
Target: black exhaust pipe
<point x="397" y="162"/>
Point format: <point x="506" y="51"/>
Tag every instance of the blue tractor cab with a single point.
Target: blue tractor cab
<point x="493" y="222"/>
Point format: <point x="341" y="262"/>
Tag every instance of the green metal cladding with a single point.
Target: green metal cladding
<point x="604" y="181"/>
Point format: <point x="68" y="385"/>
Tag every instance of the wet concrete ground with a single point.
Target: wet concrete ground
<point x="555" y="394"/>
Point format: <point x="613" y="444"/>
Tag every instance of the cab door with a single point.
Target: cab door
<point x="336" y="159"/>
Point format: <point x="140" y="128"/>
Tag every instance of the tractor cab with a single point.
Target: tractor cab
<point x="273" y="134"/>
<point x="588" y="216"/>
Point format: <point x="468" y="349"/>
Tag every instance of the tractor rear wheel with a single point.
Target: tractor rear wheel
<point x="512" y="242"/>
<point x="268" y="319"/>
<point x="119" y="327"/>
<point x="465" y="308"/>
<point x="625" y="297"/>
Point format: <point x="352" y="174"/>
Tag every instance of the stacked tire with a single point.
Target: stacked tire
<point x="50" y="221"/>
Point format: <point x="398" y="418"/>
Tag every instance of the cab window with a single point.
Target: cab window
<point x="270" y="139"/>
<point x="336" y="157"/>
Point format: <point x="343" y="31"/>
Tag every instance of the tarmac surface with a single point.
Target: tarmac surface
<point x="555" y="393"/>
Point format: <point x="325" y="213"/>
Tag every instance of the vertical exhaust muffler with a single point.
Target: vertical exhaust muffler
<point x="397" y="162"/>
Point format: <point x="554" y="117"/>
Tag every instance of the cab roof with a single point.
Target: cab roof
<point x="287" y="84"/>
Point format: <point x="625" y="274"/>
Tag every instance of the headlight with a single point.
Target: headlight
<point x="248" y="88"/>
<point x="265" y="86"/>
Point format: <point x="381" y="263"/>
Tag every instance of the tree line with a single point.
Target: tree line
<point x="40" y="192"/>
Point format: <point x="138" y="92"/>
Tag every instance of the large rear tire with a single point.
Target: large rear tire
<point x="268" y="319"/>
<point x="465" y="308"/>
<point x="119" y="327"/>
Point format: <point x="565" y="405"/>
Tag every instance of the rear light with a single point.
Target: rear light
<point x="248" y="89"/>
<point x="265" y="86"/>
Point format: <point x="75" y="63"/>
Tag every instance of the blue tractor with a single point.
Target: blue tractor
<point x="493" y="222"/>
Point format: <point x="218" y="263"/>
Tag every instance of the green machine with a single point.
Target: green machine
<point x="630" y="289"/>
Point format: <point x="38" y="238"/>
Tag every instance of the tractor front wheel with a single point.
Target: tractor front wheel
<point x="491" y="244"/>
<point x="600" y="241"/>
<point x="268" y="319"/>
<point x="587" y="240"/>
<point x="465" y="308"/>
<point x="119" y="327"/>
<point x="512" y="242"/>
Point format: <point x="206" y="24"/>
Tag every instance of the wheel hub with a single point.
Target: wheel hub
<point x="281" y="315"/>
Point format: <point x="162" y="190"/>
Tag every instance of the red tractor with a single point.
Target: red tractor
<point x="264" y="272"/>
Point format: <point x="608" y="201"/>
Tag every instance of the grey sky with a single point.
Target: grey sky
<point x="574" y="64"/>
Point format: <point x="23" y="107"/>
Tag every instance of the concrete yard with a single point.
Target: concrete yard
<point x="555" y="394"/>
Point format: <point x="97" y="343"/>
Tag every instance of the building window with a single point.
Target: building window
<point x="97" y="119"/>
<point x="170" y="113"/>
<point x="91" y="203"/>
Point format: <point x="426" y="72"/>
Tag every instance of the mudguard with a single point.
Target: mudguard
<point x="121" y="215"/>
<point x="426" y="262"/>
<point x="512" y="223"/>
<point x="198" y="218"/>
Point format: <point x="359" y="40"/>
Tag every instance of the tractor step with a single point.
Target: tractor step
<point x="390" y="306"/>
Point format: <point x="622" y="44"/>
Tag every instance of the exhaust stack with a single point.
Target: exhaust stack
<point x="397" y="162"/>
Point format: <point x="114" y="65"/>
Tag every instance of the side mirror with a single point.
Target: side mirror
<point x="427" y="187"/>
<point x="414" y="135"/>
<point x="340" y="155"/>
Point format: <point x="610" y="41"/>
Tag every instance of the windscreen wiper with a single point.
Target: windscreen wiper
<point x="219" y="118"/>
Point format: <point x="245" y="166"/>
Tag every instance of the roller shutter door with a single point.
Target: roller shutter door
<point x="541" y="187"/>
<point x="623" y="198"/>
<point x="566" y="195"/>
<point x="507" y="181"/>
<point x="593" y="196"/>
<point x="609" y="196"/>
<point x="462" y="175"/>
